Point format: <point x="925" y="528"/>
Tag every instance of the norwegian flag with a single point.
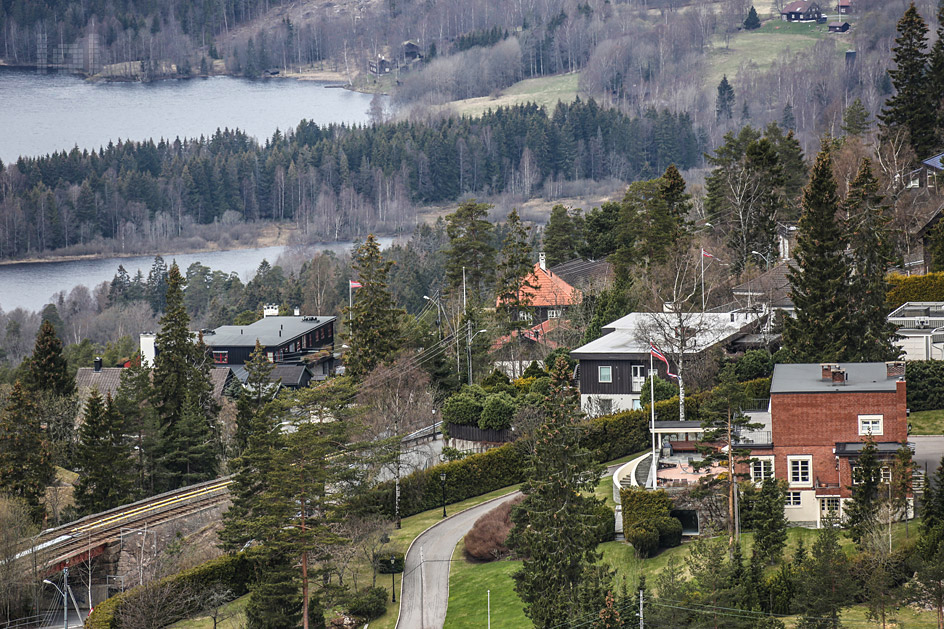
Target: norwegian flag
<point x="356" y="284"/>
<point x="655" y="351"/>
<point x="705" y="254"/>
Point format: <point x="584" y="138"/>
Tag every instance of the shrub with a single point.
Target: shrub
<point x="368" y="604"/>
<point x="463" y="408"/>
<point x="603" y="526"/>
<point x="541" y="386"/>
<point x="757" y="388"/>
<point x="523" y="385"/>
<point x="534" y="371"/>
<point x="902" y="289"/>
<point x="641" y="506"/>
<point x="754" y="364"/>
<point x="385" y="567"/>
<point x="486" y="540"/>
<point x="498" y="411"/>
<point x="925" y="385"/>
<point x="496" y="378"/>
<point x="670" y="531"/>
<point x="645" y="540"/>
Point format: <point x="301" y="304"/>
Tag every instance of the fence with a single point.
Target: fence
<point x="474" y="433"/>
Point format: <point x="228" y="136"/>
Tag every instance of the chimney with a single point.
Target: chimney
<point x="839" y="376"/>
<point x="895" y="369"/>
<point x="98" y="364"/>
<point x="542" y="261"/>
<point x="298" y="312"/>
<point x="270" y="310"/>
<point x="828" y="370"/>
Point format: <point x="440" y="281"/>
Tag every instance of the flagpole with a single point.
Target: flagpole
<point x="703" y="279"/>
<point x="350" y="300"/>
<point x="652" y="408"/>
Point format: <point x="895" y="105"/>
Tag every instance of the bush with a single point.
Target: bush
<point x="757" y="388"/>
<point x="645" y="540"/>
<point x="534" y="371"/>
<point x="641" y="506"/>
<point x="541" y="386"/>
<point x="368" y="604"/>
<point x="603" y="526"/>
<point x="498" y="411"/>
<point x="670" y="531"/>
<point x="754" y="364"/>
<point x="925" y="385"/>
<point x="385" y="567"/>
<point x="486" y="540"/>
<point x="496" y="378"/>
<point x="463" y="408"/>
<point x="902" y="289"/>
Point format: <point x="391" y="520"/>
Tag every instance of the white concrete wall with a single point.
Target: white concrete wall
<point x="807" y="512"/>
<point x="621" y="402"/>
<point x="917" y="348"/>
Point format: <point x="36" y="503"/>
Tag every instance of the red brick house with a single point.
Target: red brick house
<point x="820" y="417"/>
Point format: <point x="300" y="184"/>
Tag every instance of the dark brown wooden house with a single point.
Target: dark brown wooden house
<point x="801" y="11"/>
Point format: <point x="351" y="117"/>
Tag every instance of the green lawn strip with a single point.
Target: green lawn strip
<point x="232" y="615"/>
<point x="469" y="586"/>
<point x="927" y="422"/>
<point x="544" y="91"/>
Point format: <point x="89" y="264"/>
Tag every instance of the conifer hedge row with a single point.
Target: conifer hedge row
<point x="903" y="289"/>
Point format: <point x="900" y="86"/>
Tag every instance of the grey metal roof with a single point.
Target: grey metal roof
<point x="269" y="330"/>
<point x="936" y="162"/>
<point x="287" y="375"/>
<point x="853" y="448"/>
<point x="682" y="426"/>
<point x="808" y="378"/>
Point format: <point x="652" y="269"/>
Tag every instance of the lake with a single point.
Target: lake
<point x="42" y="113"/>
<point x="30" y="285"/>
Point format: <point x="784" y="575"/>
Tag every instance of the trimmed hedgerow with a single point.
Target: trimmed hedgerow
<point x="925" y="385"/>
<point x="670" y="531"/>
<point x="645" y="540"/>
<point x="902" y="289"/>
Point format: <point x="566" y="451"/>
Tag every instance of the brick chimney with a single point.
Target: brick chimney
<point x="839" y="376"/>
<point x="828" y="369"/>
<point x="895" y="369"/>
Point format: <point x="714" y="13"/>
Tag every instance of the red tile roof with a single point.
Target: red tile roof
<point x="536" y="334"/>
<point x="548" y="289"/>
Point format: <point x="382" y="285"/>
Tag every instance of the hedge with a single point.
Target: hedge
<point x="609" y="437"/>
<point x="757" y="388"/>
<point x="645" y="540"/>
<point x="233" y="571"/>
<point x="902" y="289"/>
<point x="925" y="384"/>
<point x="369" y="603"/>
<point x="670" y="531"/>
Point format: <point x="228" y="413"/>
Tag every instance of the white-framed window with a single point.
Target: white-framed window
<point x="870" y="424"/>
<point x="639" y="377"/>
<point x="554" y="313"/>
<point x="800" y="471"/>
<point x="605" y="373"/>
<point x="887" y="475"/>
<point x="829" y="505"/>
<point x="762" y="468"/>
<point x="793" y="499"/>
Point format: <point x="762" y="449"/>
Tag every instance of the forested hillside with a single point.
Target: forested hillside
<point x="335" y="182"/>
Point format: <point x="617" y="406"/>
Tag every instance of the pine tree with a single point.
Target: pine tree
<point x="855" y="119"/>
<point x="724" y="105"/>
<point x="134" y="403"/>
<point x="553" y="526"/>
<point x="770" y="525"/>
<point x="752" y="22"/>
<point x="870" y="241"/>
<point x="936" y="76"/>
<point x="514" y="286"/>
<point x="911" y="107"/>
<point x="25" y="468"/>
<point x="156" y="287"/>
<point x="787" y="118"/>
<point x="471" y="248"/>
<point x="47" y="369"/>
<point x="820" y="280"/>
<point x="862" y="509"/>
<point x="275" y="600"/>
<point x="107" y="478"/>
<point x="374" y="334"/>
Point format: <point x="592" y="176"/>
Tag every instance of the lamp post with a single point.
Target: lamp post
<point x="442" y="481"/>
<point x="65" y="598"/>
<point x="766" y="259"/>
<point x="469" y="348"/>
<point x="393" y="577"/>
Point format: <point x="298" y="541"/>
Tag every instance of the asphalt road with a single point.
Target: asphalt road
<point x="424" y="589"/>
<point x="928" y="451"/>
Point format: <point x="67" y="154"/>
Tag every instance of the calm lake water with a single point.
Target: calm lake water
<point x="30" y="285"/>
<point x="42" y="113"/>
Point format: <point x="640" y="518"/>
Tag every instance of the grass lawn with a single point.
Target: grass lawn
<point x="927" y="422"/>
<point x="469" y="584"/>
<point x="544" y="91"/>
<point x="231" y="616"/>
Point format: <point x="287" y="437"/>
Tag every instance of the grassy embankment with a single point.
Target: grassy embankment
<point x="927" y="422"/>
<point x="545" y="91"/>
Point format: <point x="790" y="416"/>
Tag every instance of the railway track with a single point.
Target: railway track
<point x="54" y="548"/>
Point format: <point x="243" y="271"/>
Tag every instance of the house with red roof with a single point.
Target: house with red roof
<point x="547" y="294"/>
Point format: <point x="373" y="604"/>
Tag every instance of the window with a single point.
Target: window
<point x="761" y="469"/>
<point x="605" y="374"/>
<point x="554" y="313"/>
<point x="829" y="505"/>
<point x="800" y="470"/>
<point x="886" y="475"/>
<point x="793" y="499"/>
<point x="605" y="406"/>
<point x="639" y="377"/>
<point x="221" y="358"/>
<point x="870" y="424"/>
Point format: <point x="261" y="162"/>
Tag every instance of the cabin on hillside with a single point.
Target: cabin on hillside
<point x="801" y="11"/>
<point x="838" y="27"/>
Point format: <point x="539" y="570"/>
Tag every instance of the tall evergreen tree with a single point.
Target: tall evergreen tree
<point x="770" y="524"/>
<point x="471" y="248"/>
<point x="134" y="403"/>
<point x="563" y="236"/>
<point x="514" y="286"/>
<point x="257" y="392"/>
<point x="553" y="527"/>
<point x="107" y="476"/>
<point x="936" y="77"/>
<point x="47" y="369"/>
<point x="156" y="287"/>
<point x="911" y="107"/>
<point x="724" y="105"/>
<point x="25" y="468"/>
<point x="862" y="510"/>
<point x="872" y="248"/>
<point x="374" y="334"/>
<point x="824" y="584"/>
<point x="855" y="119"/>
<point x="752" y="21"/>
<point x="820" y="280"/>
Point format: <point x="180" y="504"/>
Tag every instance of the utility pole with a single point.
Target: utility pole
<point x="65" y="598"/>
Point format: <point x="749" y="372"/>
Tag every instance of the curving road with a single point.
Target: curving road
<point x="424" y="589"/>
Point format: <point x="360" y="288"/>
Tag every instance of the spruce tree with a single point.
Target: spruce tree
<point x="936" y="77"/>
<point x="855" y="119"/>
<point x="134" y="404"/>
<point x="752" y="22"/>
<point x="374" y="334"/>
<point x="787" y="118"/>
<point x="255" y="394"/>
<point x="873" y="252"/>
<point x="820" y="280"/>
<point x="25" y="467"/>
<point x="911" y="107"/>
<point x="514" y="285"/>
<point x="724" y="105"/>
<point x="862" y="510"/>
<point x="562" y="239"/>
<point x="553" y="526"/>
<point x="471" y="248"/>
<point x="107" y="477"/>
<point x="770" y="525"/>
<point x="824" y="584"/>
<point x="47" y="369"/>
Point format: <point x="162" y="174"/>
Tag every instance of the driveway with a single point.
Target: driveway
<point x="928" y="452"/>
<point x="424" y="589"/>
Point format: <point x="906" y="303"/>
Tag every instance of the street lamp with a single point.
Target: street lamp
<point x="766" y="259"/>
<point x="65" y="599"/>
<point x="469" y="348"/>
<point x="442" y="481"/>
<point x="393" y="577"/>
